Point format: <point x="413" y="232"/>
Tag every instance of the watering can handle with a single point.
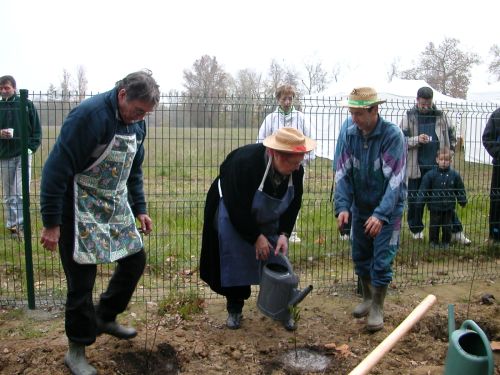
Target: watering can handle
<point x="472" y="325"/>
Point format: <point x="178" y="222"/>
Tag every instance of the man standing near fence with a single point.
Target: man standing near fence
<point x="426" y="129"/>
<point x="370" y="183"/>
<point x="10" y="152"/>
<point x="91" y="195"/>
<point x="491" y="142"/>
<point x="285" y="115"/>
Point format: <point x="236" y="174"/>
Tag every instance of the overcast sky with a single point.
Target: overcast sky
<point x="111" y="38"/>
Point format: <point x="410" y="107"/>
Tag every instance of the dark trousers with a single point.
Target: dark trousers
<point x="80" y="315"/>
<point x="440" y="220"/>
<point x="415" y="211"/>
<point x="494" y="217"/>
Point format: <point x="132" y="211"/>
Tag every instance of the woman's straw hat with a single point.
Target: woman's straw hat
<point x="363" y="97"/>
<point x="289" y="140"/>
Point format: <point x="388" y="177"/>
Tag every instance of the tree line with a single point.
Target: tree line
<point x="446" y="67"/>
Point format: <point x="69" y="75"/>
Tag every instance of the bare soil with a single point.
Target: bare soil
<point x="33" y="342"/>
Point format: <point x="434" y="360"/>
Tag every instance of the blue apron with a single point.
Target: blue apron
<point x="104" y="223"/>
<point x="237" y="257"/>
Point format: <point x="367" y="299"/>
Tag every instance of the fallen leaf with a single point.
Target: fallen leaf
<point x="495" y="345"/>
<point x="330" y="346"/>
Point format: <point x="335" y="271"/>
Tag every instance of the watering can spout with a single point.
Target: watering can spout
<point x="299" y="296"/>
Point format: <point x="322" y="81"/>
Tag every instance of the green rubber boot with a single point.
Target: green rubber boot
<point x="363" y="308"/>
<point x="375" y="321"/>
<point x="76" y="361"/>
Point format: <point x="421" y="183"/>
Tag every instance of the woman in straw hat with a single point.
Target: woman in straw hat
<point x="250" y="210"/>
<point x="370" y="185"/>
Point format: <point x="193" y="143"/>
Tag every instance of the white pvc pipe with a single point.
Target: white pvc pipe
<point x="385" y="346"/>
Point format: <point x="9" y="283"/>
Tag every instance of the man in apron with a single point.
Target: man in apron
<point x="91" y="196"/>
<point x="250" y="211"/>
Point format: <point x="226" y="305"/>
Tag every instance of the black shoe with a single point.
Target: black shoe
<point x="114" y="329"/>
<point x="233" y="320"/>
<point x="290" y="324"/>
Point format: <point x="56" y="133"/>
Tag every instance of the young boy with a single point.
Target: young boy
<point x="440" y="189"/>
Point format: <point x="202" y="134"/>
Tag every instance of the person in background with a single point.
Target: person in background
<point x="250" y="210"/>
<point x="370" y="186"/>
<point x="426" y="129"/>
<point x="441" y="188"/>
<point x="285" y="115"/>
<point x="10" y="152"/>
<point x="91" y="196"/>
<point x="491" y="142"/>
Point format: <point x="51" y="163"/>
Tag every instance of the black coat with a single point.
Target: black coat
<point x="240" y="175"/>
<point x="491" y="136"/>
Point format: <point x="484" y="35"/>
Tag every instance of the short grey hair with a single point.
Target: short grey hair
<point x="140" y="86"/>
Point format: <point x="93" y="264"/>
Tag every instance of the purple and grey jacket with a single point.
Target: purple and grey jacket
<point x="370" y="172"/>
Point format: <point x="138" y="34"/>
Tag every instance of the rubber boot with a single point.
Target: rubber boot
<point x="363" y="308"/>
<point x="375" y="321"/>
<point x="114" y="329"/>
<point x="76" y="361"/>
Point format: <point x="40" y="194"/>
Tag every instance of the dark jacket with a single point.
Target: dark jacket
<point x="10" y="118"/>
<point x="441" y="189"/>
<point x="85" y="133"/>
<point x="491" y="136"/>
<point x="240" y="174"/>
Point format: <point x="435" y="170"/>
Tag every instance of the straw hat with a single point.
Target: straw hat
<point x="363" y="97"/>
<point x="289" y="140"/>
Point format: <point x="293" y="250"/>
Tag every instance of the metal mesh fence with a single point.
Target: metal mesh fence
<point x="187" y="140"/>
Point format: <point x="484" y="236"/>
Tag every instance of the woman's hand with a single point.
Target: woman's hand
<point x="281" y="245"/>
<point x="262" y="248"/>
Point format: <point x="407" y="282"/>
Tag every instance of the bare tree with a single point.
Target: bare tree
<point x="82" y="81"/>
<point x="393" y="70"/>
<point x="208" y="84"/>
<point x="317" y="78"/>
<point x="494" y="67"/>
<point x="51" y="92"/>
<point x="65" y="85"/>
<point x="446" y="68"/>
<point x="206" y="79"/>
<point x="247" y="83"/>
<point x="336" y="72"/>
<point x="279" y="75"/>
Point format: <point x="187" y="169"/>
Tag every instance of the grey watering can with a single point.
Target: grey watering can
<point x="278" y="289"/>
<point x="469" y="351"/>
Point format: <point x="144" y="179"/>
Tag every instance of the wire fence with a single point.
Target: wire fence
<point x="187" y="140"/>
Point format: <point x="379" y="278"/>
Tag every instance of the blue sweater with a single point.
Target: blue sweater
<point x="84" y="135"/>
<point x="370" y="172"/>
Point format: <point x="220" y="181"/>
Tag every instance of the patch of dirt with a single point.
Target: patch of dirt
<point x="34" y="342"/>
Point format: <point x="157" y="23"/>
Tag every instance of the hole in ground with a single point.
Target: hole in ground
<point x="162" y="361"/>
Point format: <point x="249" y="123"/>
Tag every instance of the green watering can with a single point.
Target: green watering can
<point x="469" y="350"/>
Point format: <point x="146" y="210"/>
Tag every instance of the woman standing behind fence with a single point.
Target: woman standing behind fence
<point x="250" y="211"/>
<point x="491" y="142"/>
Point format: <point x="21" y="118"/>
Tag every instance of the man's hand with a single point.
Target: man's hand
<point x="50" y="237"/>
<point x="373" y="226"/>
<point x="424" y="138"/>
<point x="146" y="223"/>
<point x="342" y="219"/>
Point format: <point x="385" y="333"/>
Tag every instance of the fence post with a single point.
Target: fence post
<point x="26" y="198"/>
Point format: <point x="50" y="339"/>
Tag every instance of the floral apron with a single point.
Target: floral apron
<point x="237" y="256"/>
<point x="104" y="223"/>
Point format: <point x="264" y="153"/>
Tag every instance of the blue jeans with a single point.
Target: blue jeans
<point x="373" y="257"/>
<point x="10" y="169"/>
